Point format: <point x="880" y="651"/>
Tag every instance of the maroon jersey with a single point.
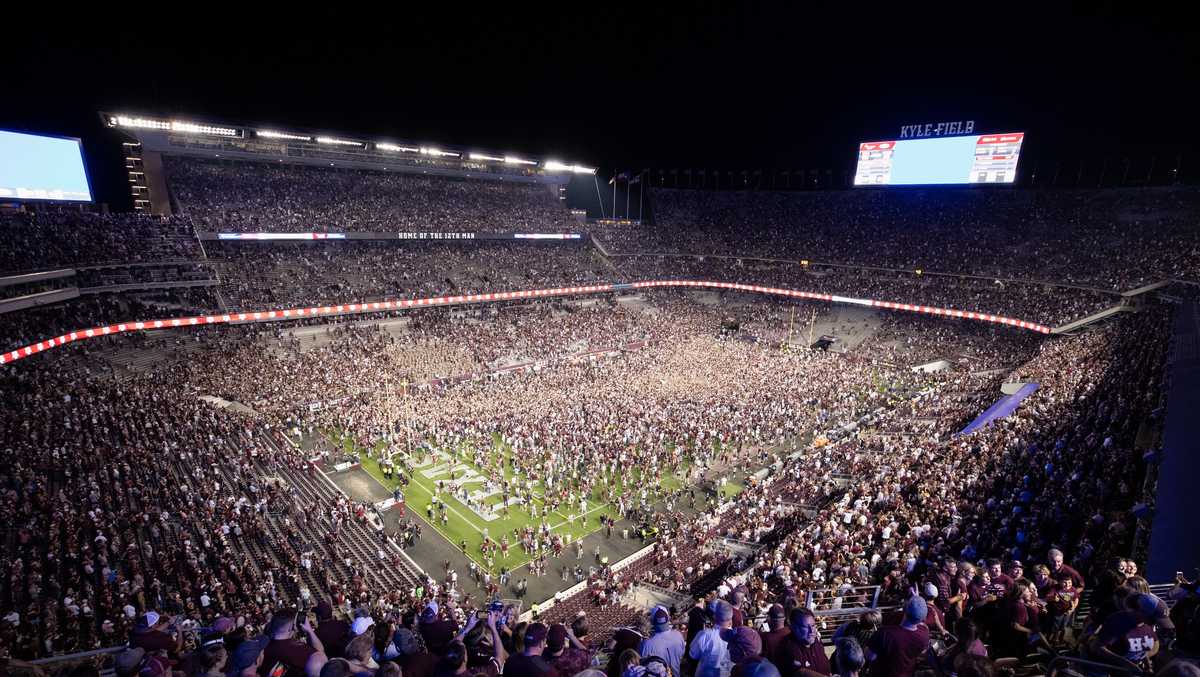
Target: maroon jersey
<point x="1126" y="635"/>
<point x="792" y="657"/>
<point x="898" y="650"/>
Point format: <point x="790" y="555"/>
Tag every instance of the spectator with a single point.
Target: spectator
<point x="802" y="654"/>
<point x="157" y="633"/>
<point x="334" y="634"/>
<point x="437" y="632"/>
<point x="745" y="648"/>
<point x="298" y="657"/>
<point x="530" y="663"/>
<point x="564" y="652"/>
<point x="665" y="641"/>
<point x="776" y="633"/>
<point x="247" y="658"/>
<point x="359" y="655"/>
<point x="848" y="658"/>
<point x="895" y="650"/>
<point x="708" y="649"/>
<point x="1126" y="639"/>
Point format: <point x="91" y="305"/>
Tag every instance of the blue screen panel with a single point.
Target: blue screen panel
<point x="35" y="167"/>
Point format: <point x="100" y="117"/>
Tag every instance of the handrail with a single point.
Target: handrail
<point x="1061" y="661"/>
<point x="358" y="308"/>
<point x="82" y="655"/>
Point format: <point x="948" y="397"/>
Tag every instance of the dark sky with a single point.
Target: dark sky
<point x="625" y="86"/>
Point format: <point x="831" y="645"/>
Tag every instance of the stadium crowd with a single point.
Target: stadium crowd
<point x="256" y="197"/>
<point x="209" y="544"/>
<point x="1115" y="240"/>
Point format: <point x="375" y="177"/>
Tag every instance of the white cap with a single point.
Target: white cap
<point x="361" y="625"/>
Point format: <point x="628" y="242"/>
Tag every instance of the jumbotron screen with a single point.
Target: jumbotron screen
<point x="983" y="158"/>
<point x="36" y="167"/>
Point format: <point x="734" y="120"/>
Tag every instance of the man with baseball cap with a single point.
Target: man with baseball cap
<point x="529" y="663"/>
<point x="247" y="657"/>
<point x="709" y="650"/>
<point x="776" y="633"/>
<point x="895" y="650"/>
<point x="566" y="653"/>
<point x="156" y="633"/>
<point x="745" y="648"/>
<point x="664" y="641"/>
<point x="436" y="632"/>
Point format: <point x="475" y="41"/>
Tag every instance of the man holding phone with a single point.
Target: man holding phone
<point x="287" y="655"/>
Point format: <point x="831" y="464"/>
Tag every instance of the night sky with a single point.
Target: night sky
<point x="622" y="86"/>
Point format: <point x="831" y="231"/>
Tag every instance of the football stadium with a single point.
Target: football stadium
<point x="295" y="392"/>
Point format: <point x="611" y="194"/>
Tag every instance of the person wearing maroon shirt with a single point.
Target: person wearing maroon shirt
<point x="333" y="634"/>
<point x="1126" y="638"/>
<point x="437" y="633"/>
<point x="566" y="653"/>
<point x="414" y="660"/>
<point x="1059" y="570"/>
<point x="285" y="649"/>
<point x="1061" y="600"/>
<point x="1002" y="583"/>
<point x="935" y="620"/>
<point x="153" y="633"/>
<point x="802" y="654"/>
<point x="1019" y="633"/>
<point x="1042" y="581"/>
<point x="895" y="650"/>
<point x="776" y="633"/>
<point x="945" y="580"/>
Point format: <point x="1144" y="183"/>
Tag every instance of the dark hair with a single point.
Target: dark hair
<point x="799" y="613"/>
<point x="966" y="632"/>
<point x="383" y="636"/>
<point x="453" y="658"/>
<point x="279" y="622"/>
<point x="970" y="665"/>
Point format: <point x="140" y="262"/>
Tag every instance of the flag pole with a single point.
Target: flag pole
<point x="641" y="195"/>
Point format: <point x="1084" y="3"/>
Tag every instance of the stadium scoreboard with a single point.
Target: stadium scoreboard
<point x="40" y="167"/>
<point x="974" y="159"/>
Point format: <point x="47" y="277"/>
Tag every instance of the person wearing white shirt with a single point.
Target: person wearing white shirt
<point x="708" y="649"/>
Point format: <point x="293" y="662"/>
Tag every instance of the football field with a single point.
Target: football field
<point x="462" y="523"/>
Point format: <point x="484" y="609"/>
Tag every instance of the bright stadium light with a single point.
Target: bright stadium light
<point x="481" y="156"/>
<point x="329" y="140"/>
<point x="398" y="149"/>
<point x="268" y="134"/>
<point x="510" y="160"/>
<point x="139" y="123"/>
<point x="438" y="153"/>
<point x="556" y="166"/>
<point x="194" y="128"/>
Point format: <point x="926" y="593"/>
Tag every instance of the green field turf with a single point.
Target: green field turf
<point x="465" y="524"/>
